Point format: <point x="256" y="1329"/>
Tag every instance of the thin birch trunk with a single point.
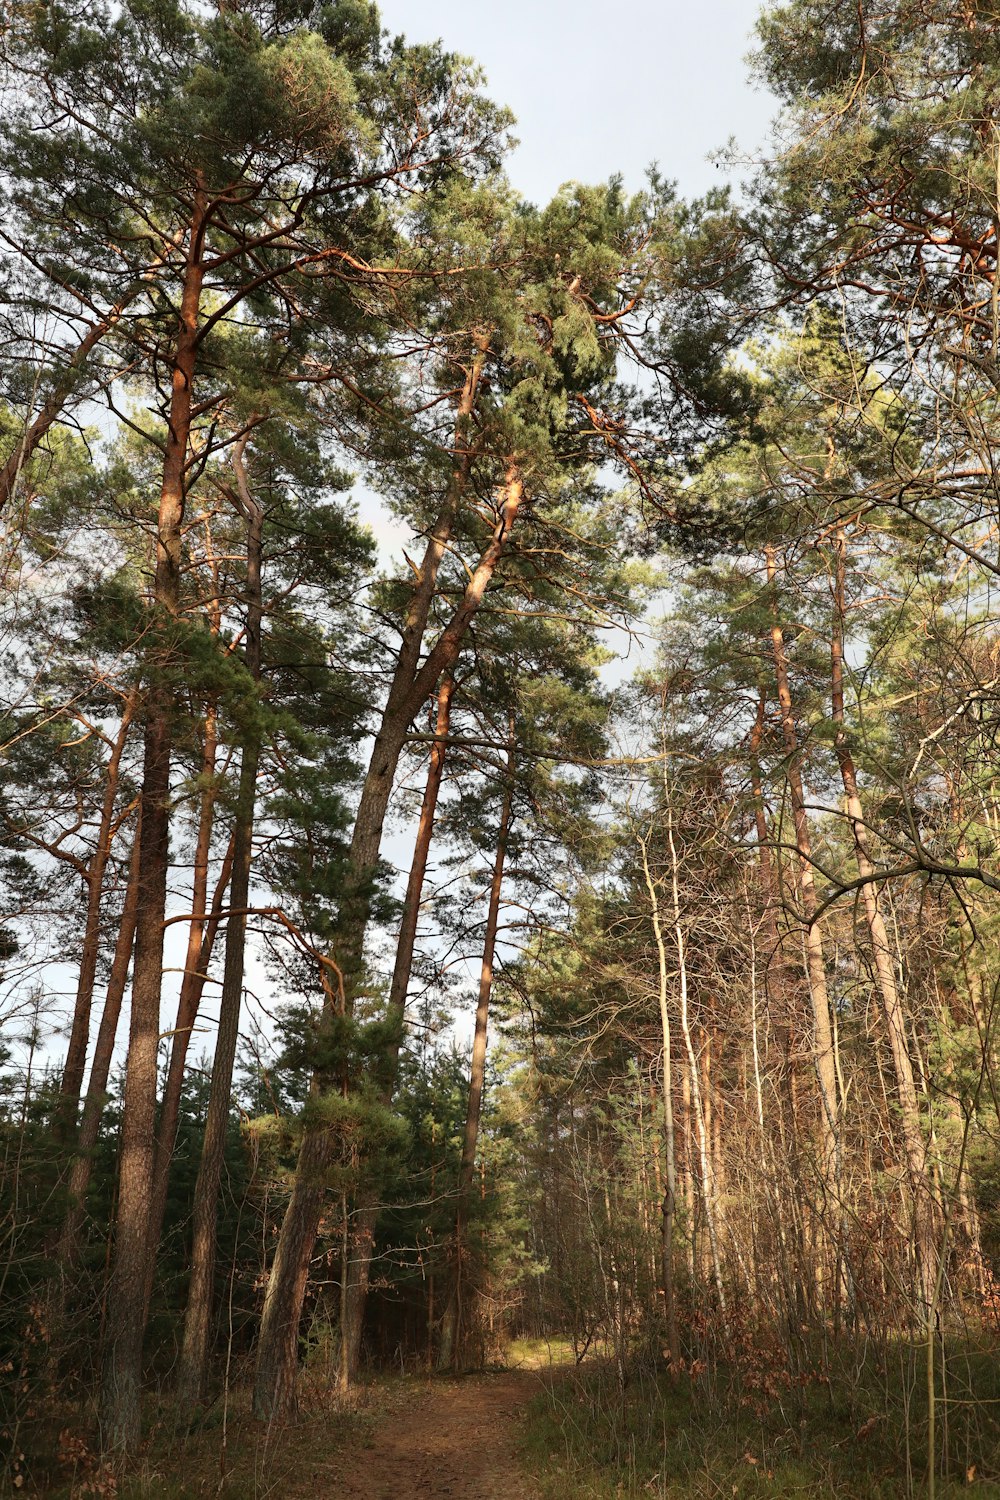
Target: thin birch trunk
<point x="705" y="1173"/>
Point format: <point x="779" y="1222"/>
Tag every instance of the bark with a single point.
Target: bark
<point x="100" y="1068"/>
<point x="355" y="1292"/>
<point x="197" y="1321"/>
<point x="777" y="976"/>
<point x="669" y="1208"/>
<point x="815" y="960"/>
<point x="405" y="697"/>
<point x="71" y="1084"/>
<point x="201" y="940"/>
<point x="278" y="1341"/>
<point x="451" y="1325"/>
<point x="404" y="703"/>
<point x="922" y="1197"/>
<point x="705" y="1174"/>
<point x="122" y="1363"/>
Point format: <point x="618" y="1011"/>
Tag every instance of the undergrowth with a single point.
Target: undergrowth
<point x="854" y="1428"/>
<point x="224" y="1453"/>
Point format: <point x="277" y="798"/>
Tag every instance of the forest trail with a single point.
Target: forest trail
<point x="455" y="1438"/>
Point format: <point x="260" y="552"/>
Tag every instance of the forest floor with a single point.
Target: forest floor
<point x="544" y="1429"/>
<point x="401" y="1438"/>
<point x="455" y="1440"/>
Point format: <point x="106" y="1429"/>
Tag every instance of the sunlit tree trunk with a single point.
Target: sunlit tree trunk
<point x="669" y="1206"/>
<point x="122" y="1363"/>
<point x="705" y="1175"/>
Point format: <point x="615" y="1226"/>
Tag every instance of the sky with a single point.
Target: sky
<point x="665" y="83"/>
<point x="597" y="89"/>
<point x="600" y="87"/>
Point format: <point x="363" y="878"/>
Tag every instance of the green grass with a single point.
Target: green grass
<point x="539" y="1354"/>
<point x="859" y="1430"/>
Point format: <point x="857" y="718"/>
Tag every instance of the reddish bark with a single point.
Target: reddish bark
<point x="122" y="1364"/>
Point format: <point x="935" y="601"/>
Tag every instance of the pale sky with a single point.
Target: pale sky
<point x="599" y="88"/>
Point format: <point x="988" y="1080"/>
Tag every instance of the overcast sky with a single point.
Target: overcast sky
<point x="601" y="87"/>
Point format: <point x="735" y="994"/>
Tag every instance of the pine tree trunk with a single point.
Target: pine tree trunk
<point x="201" y="939"/>
<point x="452" y="1323"/>
<point x="122" y="1363"/>
<point x="100" y="1068"/>
<point x="921" y="1193"/>
<point x="405" y="699"/>
<point x="278" y="1340"/>
<point x="366" y="1213"/>
<point x="778" y="979"/>
<point x="71" y="1085"/>
<point x="815" y="960"/>
<point x="197" y="1322"/>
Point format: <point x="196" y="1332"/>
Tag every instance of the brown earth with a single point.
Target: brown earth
<point x="408" y="1439"/>
<point x="452" y="1440"/>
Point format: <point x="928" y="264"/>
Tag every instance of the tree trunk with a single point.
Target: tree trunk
<point x="197" y="1321"/>
<point x="404" y="703"/>
<point x="779" y="982"/>
<point x="669" y="1207"/>
<point x="100" y="1068"/>
<point x="815" y="961"/>
<point x="704" y="1160"/>
<point x="201" y="940"/>
<point x="278" y="1341"/>
<point x="451" y="1326"/>
<point x="122" y="1364"/>
<point x="71" y="1085"/>
<point x="366" y="1214"/>
<point x="923" y="1207"/>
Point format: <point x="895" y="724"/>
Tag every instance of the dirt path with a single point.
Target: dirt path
<point x="456" y="1440"/>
